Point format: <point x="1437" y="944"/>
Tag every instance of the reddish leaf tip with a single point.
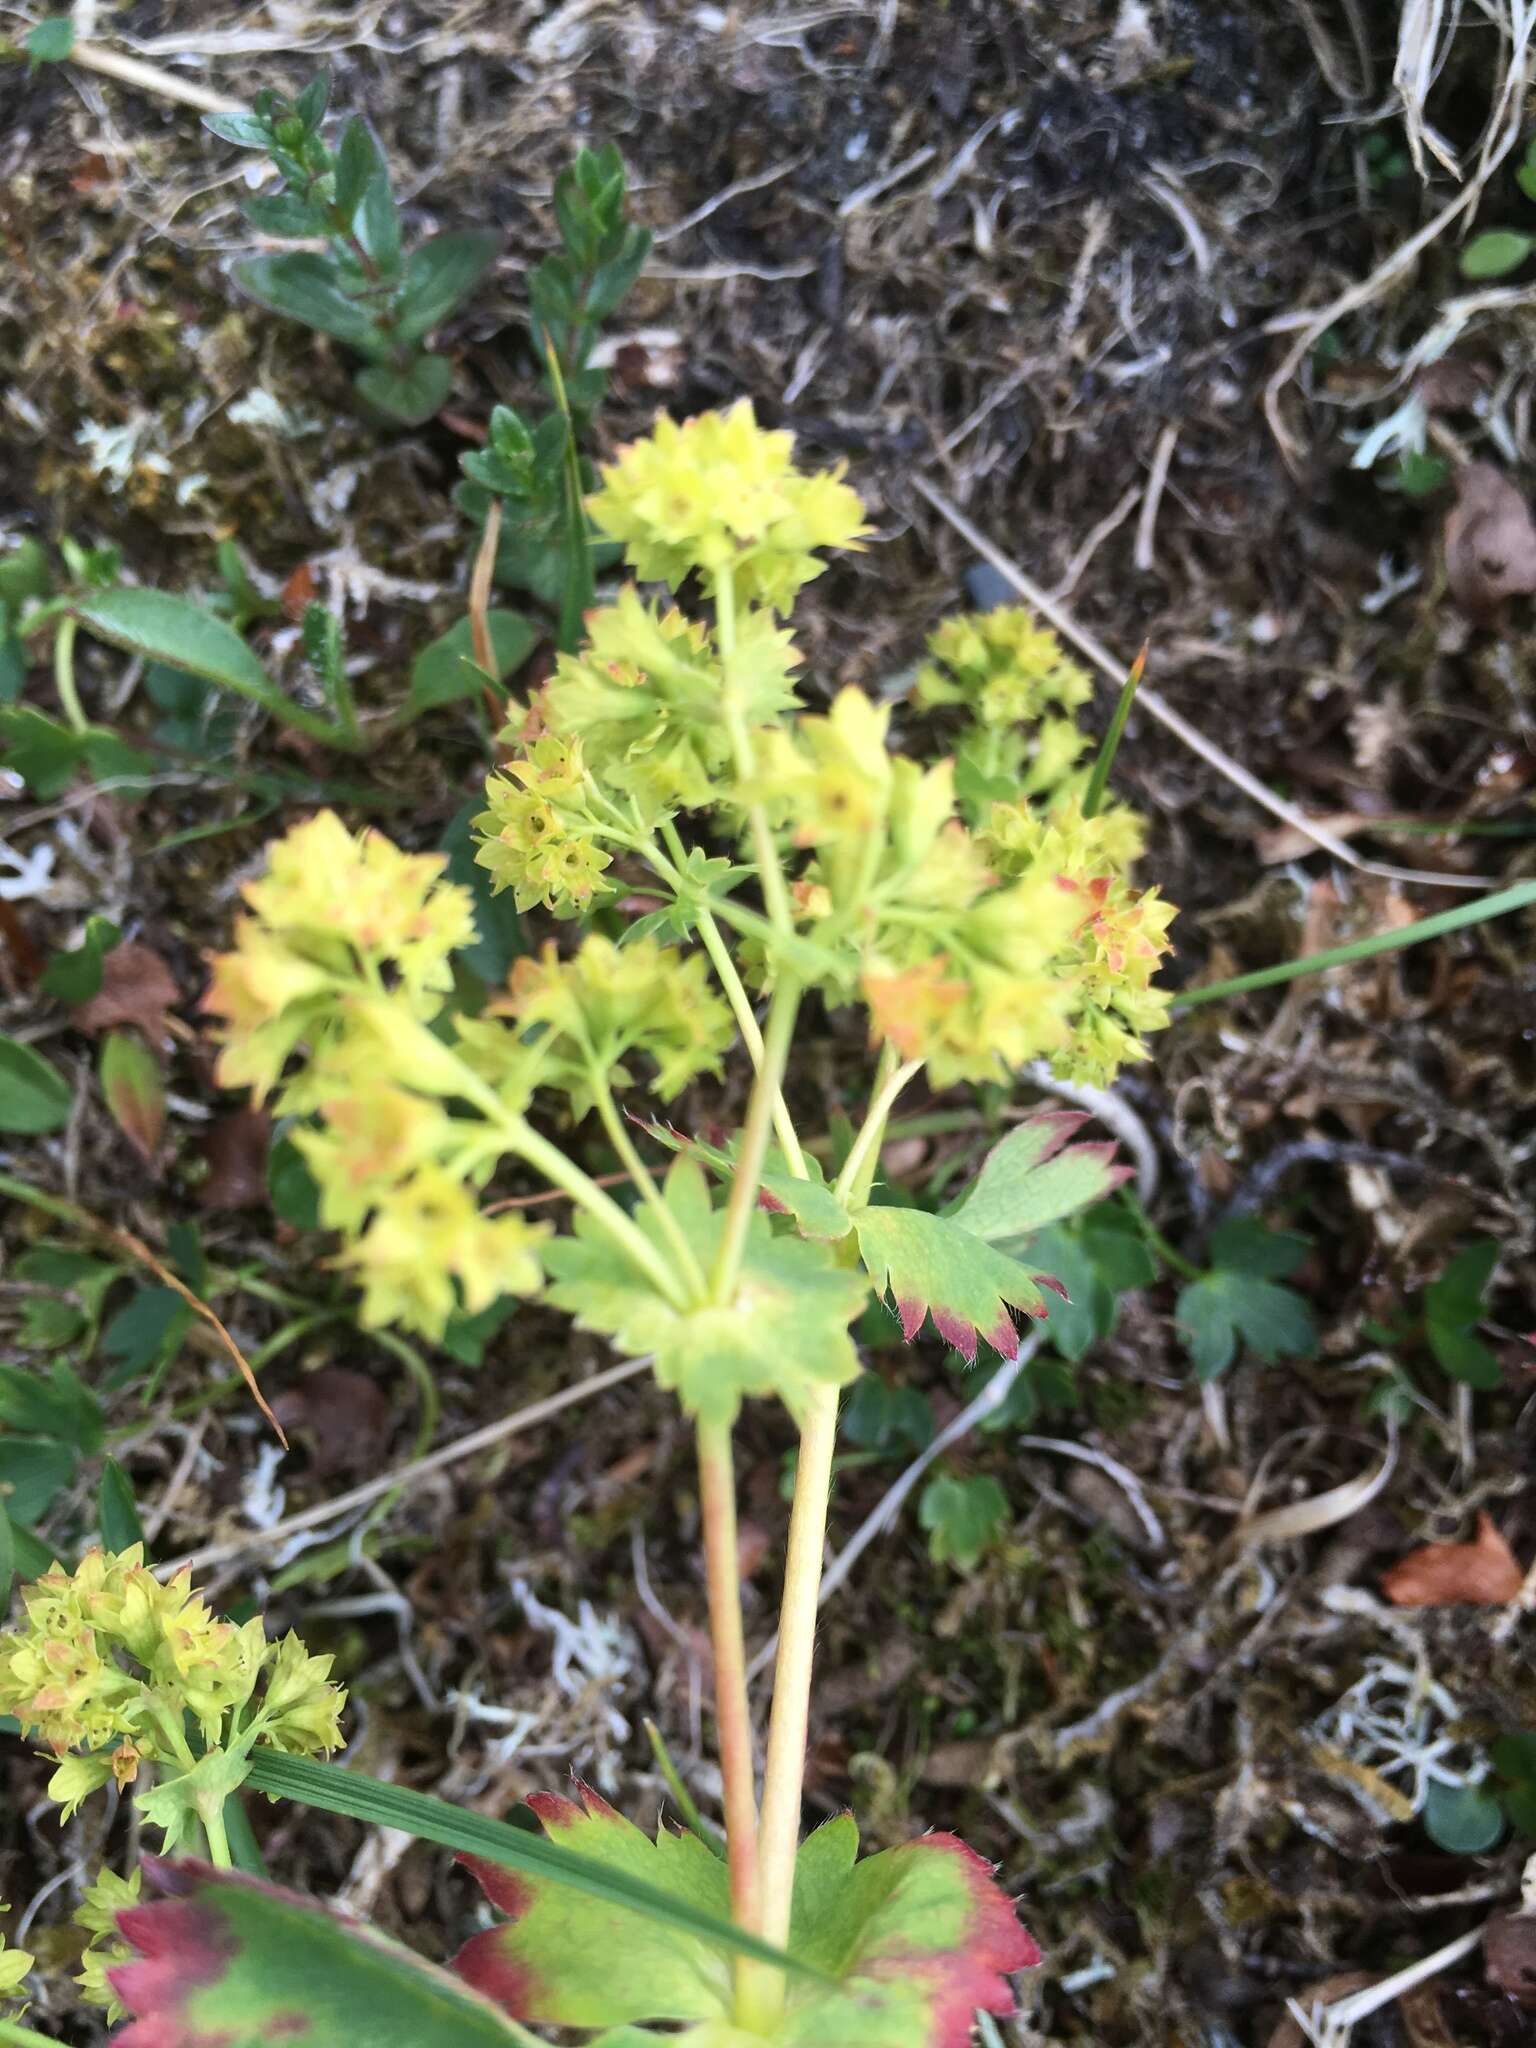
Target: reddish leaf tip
<point x="485" y="1966"/>
<point x="507" y="1892"/>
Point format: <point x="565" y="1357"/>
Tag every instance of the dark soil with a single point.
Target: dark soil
<point x="1012" y="248"/>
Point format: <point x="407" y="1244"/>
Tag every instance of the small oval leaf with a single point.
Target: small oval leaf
<point x="34" y="1095"/>
<point x="134" y="1090"/>
<point x="179" y="633"/>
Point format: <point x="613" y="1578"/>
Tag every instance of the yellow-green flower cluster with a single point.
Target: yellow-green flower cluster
<point x="97" y="1915"/>
<point x="538" y="834"/>
<point x="15" y="1964"/>
<point x="110" y="1661"/>
<point x="647" y="694"/>
<point x="591" y="1012"/>
<point x="334" y="909"/>
<point x="347" y="953"/>
<point x="721" y="494"/>
<point x="1120" y="934"/>
<point x="974" y="951"/>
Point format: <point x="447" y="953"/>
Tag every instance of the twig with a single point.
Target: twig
<point x="1176" y="723"/>
<point x="166" y="85"/>
<point x="466" y="1447"/>
<point x="886" y="179"/>
<point x="480" y="583"/>
<point x="1144" y="555"/>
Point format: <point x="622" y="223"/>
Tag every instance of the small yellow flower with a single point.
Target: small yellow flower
<point x="372" y="1138"/>
<point x="830" y="778"/>
<point x="536" y="837"/>
<point x="301" y="1711"/>
<point x="721" y="494"/>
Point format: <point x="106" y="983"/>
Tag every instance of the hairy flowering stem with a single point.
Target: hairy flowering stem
<point x="770" y="873"/>
<point x="861" y="1161"/>
<point x="717" y="1503"/>
<point x="754" y="1137"/>
<point x="563" y="1173"/>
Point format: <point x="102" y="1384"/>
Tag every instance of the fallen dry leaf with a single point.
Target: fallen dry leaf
<point x="1490" y="542"/>
<point x="1509" y="1956"/>
<point x="298" y="593"/>
<point x="136" y="988"/>
<point x="1482" y="1573"/>
<point x="235" y="1148"/>
<point x="343" y="1416"/>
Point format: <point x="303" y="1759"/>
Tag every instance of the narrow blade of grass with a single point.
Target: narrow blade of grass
<point x="331" y="1788"/>
<point x="1499" y="904"/>
<point x="1093" y="796"/>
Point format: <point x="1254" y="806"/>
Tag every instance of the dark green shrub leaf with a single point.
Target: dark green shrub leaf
<point x="440" y="273"/>
<point x="301" y="284"/>
<point x="312" y="102"/>
<point x="34" y="1095"/>
<point x="147" y="1331"/>
<point x="117" y="1513"/>
<point x="34" y="1471"/>
<point x="283" y="215"/>
<point x="445" y="670"/>
<point x="246" y="131"/>
<point x="410" y="395"/>
<point x="378" y="226"/>
<point x="293" y="1188"/>
<point x="358" y="161"/>
<point x="74" y="977"/>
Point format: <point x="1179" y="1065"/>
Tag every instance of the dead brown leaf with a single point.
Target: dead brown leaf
<point x="136" y="988"/>
<point x="1482" y="1573"/>
<point x="1490" y="542"/>
<point x="235" y="1148"/>
<point x="343" y="1416"/>
<point x="1509" y="1956"/>
<point x="298" y="593"/>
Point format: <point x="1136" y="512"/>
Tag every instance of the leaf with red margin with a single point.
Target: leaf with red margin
<point x="1028" y="1181"/>
<point x="226" y="1962"/>
<point x="916" y="1939"/>
<point x="934" y="1267"/>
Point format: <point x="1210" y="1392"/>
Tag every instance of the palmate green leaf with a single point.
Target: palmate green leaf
<point x="1226" y="1309"/>
<point x="962" y="1516"/>
<point x="333" y="1788"/>
<point x="227" y="1959"/>
<point x="933" y="1266"/>
<point x="445" y="669"/>
<point x="1028" y="1181"/>
<point x="75" y="976"/>
<point x="786" y="1331"/>
<point x="913" y="1941"/>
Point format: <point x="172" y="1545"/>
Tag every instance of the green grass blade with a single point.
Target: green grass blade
<point x="331" y="1788"/>
<point x="1499" y="904"/>
<point x="1093" y="796"/>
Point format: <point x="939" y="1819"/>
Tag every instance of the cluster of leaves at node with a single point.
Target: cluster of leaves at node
<point x="364" y="288"/>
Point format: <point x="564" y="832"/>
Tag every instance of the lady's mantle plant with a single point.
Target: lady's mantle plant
<point x="977" y="911"/>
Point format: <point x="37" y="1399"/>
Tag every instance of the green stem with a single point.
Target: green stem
<point x="754" y="1139"/>
<point x="1171" y="1257"/>
<point x="784" y="1775"/>
<point x="218" y="1840"/>
<point x="687" y="1805"/>
<point x="863" y="1159"/>
<point x="717" y="1505"/>
<point x="1500" y="904"/>
<point x="17" y="2036"/>
<point x="563" y="1173"/>
<point x="644" y="1180"/>
<point x="64" y="673"/>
